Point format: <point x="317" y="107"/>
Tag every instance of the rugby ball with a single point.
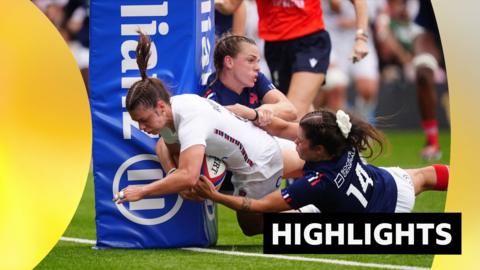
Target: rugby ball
<point x="214" y="169"/>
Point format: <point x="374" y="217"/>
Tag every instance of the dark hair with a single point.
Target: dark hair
<point x="228" y="44"/>
<point x="148" y="91"/>
<point x="320" y="128"/>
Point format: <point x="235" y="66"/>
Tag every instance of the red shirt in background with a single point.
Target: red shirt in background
<point x="288" y="19"/>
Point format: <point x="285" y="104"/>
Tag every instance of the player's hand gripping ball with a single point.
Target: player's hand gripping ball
<point x="214" y="169"/>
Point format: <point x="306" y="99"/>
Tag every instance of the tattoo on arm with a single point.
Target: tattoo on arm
<point x="246" y="203"/>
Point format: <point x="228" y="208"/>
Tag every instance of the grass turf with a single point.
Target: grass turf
<point x="404" y="152"/>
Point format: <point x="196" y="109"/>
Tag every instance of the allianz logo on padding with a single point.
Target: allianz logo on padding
<point x="141" y="170"/>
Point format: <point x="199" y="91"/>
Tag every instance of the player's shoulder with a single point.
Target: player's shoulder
<point x="210" y="93"/>
<point x="263" y="83"/>
<point x="187" y="102"/>
<point x="194" y="105"/>
<point x="313" y="178"/>
<point x="316" y="172"/>
<point x="262" y="78"/>
<point x="186" y="98"/>
<point x="215" y="89"/>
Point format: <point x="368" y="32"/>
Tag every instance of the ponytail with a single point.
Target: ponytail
<point x="147" y="91"/>
<point x="143" y="54"/>
<point x="364" y="136"/>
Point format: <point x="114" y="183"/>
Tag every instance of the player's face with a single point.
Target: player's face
<point x="398" y="9"/>
<point x="150" y="120"/>
<point x="246" y="64"/>
<point x="303" y="147"/>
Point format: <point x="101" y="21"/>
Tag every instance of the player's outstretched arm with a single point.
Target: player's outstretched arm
<point x="279" y="104"/>
<point x="281" y="128"/>
<point x="273" y="202"/>
<point x="185" y="177"/>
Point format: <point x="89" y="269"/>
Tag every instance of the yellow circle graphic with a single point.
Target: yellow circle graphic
<point x="45" y="138"/>
<point x="458" y="25"/>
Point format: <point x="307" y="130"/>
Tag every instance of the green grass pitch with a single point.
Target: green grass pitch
<point x="404" y="152"/>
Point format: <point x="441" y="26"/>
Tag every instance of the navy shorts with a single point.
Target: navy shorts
<point x="309" y="53"/>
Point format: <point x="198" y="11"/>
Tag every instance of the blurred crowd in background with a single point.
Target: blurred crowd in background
<point x="385" y="83"/>
<point x="71" y="18"/>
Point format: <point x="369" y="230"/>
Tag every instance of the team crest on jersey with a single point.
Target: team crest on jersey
<point x="253" y="98"/>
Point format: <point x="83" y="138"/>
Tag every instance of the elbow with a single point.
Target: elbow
<point x="292" y="113"/>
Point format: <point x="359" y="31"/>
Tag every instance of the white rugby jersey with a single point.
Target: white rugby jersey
<point x="245" y="148"/>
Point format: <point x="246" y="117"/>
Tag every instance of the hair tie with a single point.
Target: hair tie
<point x="343" y="122"/>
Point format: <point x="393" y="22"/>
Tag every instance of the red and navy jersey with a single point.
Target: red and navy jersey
<point x="344" y="184"/>
<point x="250" y="97"/>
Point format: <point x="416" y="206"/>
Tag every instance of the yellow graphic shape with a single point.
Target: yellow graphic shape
<point x="45" y="135"/>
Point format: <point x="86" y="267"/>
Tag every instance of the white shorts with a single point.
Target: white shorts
<point x="310" y="208"/>
<point x="262" y="182"/>
<point x="342" y="45"/>
<point x="405" y="190"/>
<point x="257" y="189"/>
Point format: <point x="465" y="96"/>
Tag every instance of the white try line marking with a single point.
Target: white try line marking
<point x="272" y="256"/>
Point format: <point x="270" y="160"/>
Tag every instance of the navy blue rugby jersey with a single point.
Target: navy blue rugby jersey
<point x="344" y="184"/>
<point x="250" y="97"/>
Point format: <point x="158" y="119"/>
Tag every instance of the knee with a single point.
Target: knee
<point x="251" y="231"/>
<point x="423" y="179"/>
<point x="425" y="66"/>
<point x="251" y="224"/>
<point x="251" y="228"/>
<point x="335" y="78"/>
<point x="368" y="93"/>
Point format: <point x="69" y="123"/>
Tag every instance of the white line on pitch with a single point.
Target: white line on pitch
<point x="78" y="240"/>
<point x="272" y="256"/>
